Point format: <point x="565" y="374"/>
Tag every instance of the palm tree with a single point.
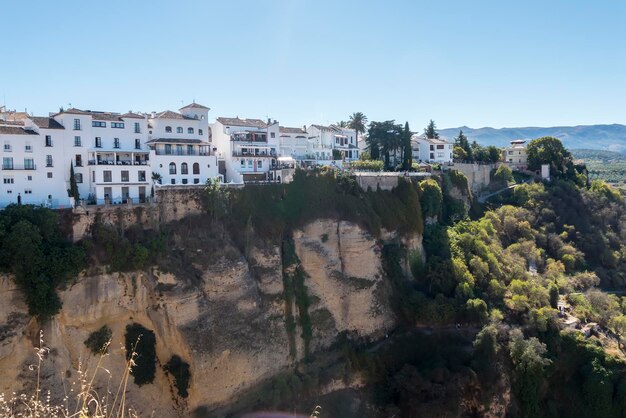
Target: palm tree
<point x="357" y="122"/>
<point x="342" y="124"/>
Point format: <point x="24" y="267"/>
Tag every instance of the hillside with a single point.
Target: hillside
<point x="606" y="165"/>
<point x="604" y="137"/>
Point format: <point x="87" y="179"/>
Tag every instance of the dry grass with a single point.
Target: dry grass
<point x="83" y="402"/>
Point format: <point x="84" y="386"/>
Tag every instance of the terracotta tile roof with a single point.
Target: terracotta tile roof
<point x="15" y="130"/>
<point x="194" y="105"/>
<point x="46" y="123"/>
<point x="168" y="114"/>
<point x="251" y="123"/>
<point x="132" y="115"/>
<point x="74" y="111"/>
<point x="287" y="130"/>
<point x="332" y="128"/>
<point x="12" y="122"/>
<point x="17" y="115"/>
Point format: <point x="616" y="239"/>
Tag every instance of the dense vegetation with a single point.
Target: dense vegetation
<point x="604" y="165"/>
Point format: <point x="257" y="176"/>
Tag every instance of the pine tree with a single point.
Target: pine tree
<point x="73" y="185"/>
<point x="407" y="150"/>
<point x="463" y="142"/>
<point x="431" y="130"/>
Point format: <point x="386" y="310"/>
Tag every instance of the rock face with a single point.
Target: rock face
<point x="224" y="315"/>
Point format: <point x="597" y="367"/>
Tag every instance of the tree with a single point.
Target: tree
<point x="553" y="290"/>
<point x="550" y="150"/>
<point x="383" y="139"/>
<point x="431" y="130"/>
<point x="485" y="351"/>
<point x="493" y="154"/>
<point x="503" y="173"/>
<point x="357" y="121"/>
<point x="617" y="324"/>
<point x="342" y="124"/>
<point x="407" y="151"/>
<point x="462" y="142"/>
<point x="216" y="199"/>
<point x="73" y="185"/>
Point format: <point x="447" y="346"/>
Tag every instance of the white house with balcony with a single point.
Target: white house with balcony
<point x="249" y="148"/>
<point x="294" y="142"/>
<point x="431" y="150"/>
<point x="324" y="139"/>
<point x="180" y="150"/>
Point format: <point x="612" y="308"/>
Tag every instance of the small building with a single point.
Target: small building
<point x="431" y="150"/>
<point x="294" y="142"/>
<point x="515" y="155"/>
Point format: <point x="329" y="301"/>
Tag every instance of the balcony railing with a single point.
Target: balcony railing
<point x="111" y="162"/>
<point x="249" y="138"/>
<point x="19" y="167"/>
<point x="184" y="152"/>
<point x="254" y="154"/>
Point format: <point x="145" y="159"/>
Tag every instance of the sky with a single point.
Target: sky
<point x="459" y="62"/>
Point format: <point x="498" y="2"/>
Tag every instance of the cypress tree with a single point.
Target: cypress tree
<point x="73" y="185"/>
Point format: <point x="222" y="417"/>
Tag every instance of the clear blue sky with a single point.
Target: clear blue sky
<point x="476" y="63"/>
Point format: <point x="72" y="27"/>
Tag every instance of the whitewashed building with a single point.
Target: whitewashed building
<point x="180" y="150"/>
<point x="249" y="148"/>
<point x="515" y="155"/>
<point x="294" y="142"/>
<point x="324" y="139"/>
<point x="431" y="150"/>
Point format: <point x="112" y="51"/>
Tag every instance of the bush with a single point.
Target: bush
<point x="98" y="341"/>
<point x="179" y="369"/>
<point x="142" y="342"/>
<point x="431" y="198"/>
<point x="367" y="165"/>
<point x="503" y="174"/>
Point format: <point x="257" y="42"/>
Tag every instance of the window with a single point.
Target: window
<point x="200" y="132"/>
<point x="168" y="149"/>
<point x="189" y="130"/>
<point x="172" y="168"/>
<point x="141" y="175"/>
<point x="249" y="163"/>
<point x="77" y="124"/>
<point x="98" y="124"/>
<point x="168" y="129"/>
<point x="116" y="142"/>
<point x="98" y="142"/>
<point x="28" y="191"/>
<point x="125" y="177"/>
<point x="440" y="147"/>
<point x="108" y="177"/>
<point x="8" y="180"/>
<point x="93" y="176"/>
<point x="78" y="177"/>
<point x="29" y="164"/>
<point x="49" y="174"/>
<point x="28" y="148"/>
<point x="137" y="143"/>
<point x="196" y="168"/>
<point x="190" y="150"/>
<point x="259" y="164"/>
<point x="184" y="169"/>
<point x="196" y="181"/>
<point x="48" y="160"/>
<point x="137" y="128"/>
<point x="77" y="141"/>
<point x="7" y="163"/>
<point x="243" y="163"/>
<point x="179" y="150"/>
<point x="29" y="178"/>
<point x="7" y="147"/>
<point x="272" y="134"/>
<point x="173" y="181"/>
<point x="118" y="125"/>
<point x="184" y="181"/>
<point x="179" y="130"/>
<point x="9" y="191"/>
<point x="48" y="141"/>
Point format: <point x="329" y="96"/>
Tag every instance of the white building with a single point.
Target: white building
<point x="249" y="147"/>
<point x="431" y="150"/>
<point x="180" y="150"/>
<point x="324" y="139"/>
<point x="516" y="155"/>
<point x="294" y="142"/>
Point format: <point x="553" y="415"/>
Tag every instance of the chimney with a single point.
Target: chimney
<point x="304" y="128"/>
<point x="153" y="114"/>
<point x="269" y="121"/>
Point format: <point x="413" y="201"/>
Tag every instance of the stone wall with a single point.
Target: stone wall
<point x="478" y="175"/>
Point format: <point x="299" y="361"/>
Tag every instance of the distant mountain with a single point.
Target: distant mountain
<point x="603" y="137"/>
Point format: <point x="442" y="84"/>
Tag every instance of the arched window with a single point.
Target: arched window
<point x="172" y="168"/>
<point x="179" y="130"/>
<point x="168" y="129"/>
<point x="189" y="130"/>
<point x="196" y="168"/>
<point x="184" y="169"/>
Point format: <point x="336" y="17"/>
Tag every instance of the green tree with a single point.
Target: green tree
<point x="553" y="291"/>
<point x="617" y="324"/>
<point x="431" y="198"/>
<point x="358" y="122"/>
<point x="384" y="138"/>
<point x="550" y="150"/>
<point x="342" y="124"/>
<point x="503" y="173"/>
<point x="485" y="352"/>
<point x="462" y="142"/>
<point x="431" y="130"/>
<point x="407" y="151"/>
<point x="73" y="185"/>
<point x="216" y="199"/>
<point x="493" y="154"/>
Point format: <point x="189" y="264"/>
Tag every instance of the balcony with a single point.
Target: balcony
<point x="183" y="152"/>
<point x="121" y="162"/>
<point x="270" y="154"/>
<point x="19" y="167"/>
<point x="252" y="137"/>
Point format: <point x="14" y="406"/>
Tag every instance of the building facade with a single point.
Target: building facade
<point x="431" y="150"/>
<point x="515" y="155"/>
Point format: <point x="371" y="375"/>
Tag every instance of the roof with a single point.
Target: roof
<point x="194" y="105"/>
<point x="176" y="141"/>
<point x="251" y="123"/>
<point x="326" y="128"/>
<point x="15" y="130"/>
<point x="46" y="122"/>
<point x="287" y="130"/>
<point x="132" y="115"/>
<point x="168" y="114"/>
<point x="17" y="115"/>
<point x="440" y="141"/>
<point x="74" y="111"/>
<point x="518" y="141"/>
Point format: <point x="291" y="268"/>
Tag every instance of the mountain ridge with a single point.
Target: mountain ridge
<point x="600" y="136"/>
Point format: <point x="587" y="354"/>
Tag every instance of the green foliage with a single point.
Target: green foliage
<point x="73" y="185"/>
<point x="485" y="352"/>
<point x="141" y="341"/>
<point x="549" y="150"/>
<point x="98" y="341"/>
<point x="33" y="249"/>
<point x="407" y="150"/>
<point x="358" y="122"/>
<point x="503" y="174"/>
<point x="476" y="310"/>
<point x="431" y="198"/>
<point x="462" y="148"/>
<point x="367" y="165"/>
<point x="553" y="291"/>
<point x="179" y="369"/>
<point x="431" y="130"/>
<point x="216" y="199"/>
<point x="610" y="193"/>
<point x="603" y="165"/>
<point x="384" y="139"/>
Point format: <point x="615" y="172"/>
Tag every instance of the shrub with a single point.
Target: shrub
<point x="367" y="165"/>
<point x="430" y="198"/>
<point x="179" y="369"/>
<point x="142" y="341"/>
<point x="98" y="341"/>
<point x="503" y="174"/>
